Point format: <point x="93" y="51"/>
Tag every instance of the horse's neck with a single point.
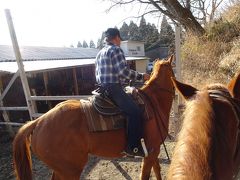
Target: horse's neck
<point x="192" y="153"/>
<point x="161" y="100"/>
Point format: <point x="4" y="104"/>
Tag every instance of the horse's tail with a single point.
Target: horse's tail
<point x="21" y="151"/>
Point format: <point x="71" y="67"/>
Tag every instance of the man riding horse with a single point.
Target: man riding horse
<point x="111" y="71"/>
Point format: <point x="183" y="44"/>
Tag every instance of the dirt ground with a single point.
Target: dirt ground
<point x="96" y="169"/>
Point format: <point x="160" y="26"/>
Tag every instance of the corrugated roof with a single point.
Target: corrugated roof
<point x="48" y="58"/>
<point x="33" y="66"/>
<point x="46" y="53"/>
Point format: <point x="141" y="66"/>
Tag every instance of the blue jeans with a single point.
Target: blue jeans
<point x="131" y="110"/>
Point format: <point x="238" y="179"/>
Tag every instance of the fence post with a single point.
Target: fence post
<point x="177" y="99"/>
<point x="17" y="53"/>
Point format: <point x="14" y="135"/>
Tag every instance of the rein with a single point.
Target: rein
<point x="157" y="114"/>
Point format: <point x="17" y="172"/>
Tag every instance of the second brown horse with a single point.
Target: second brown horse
<point x="208" y="145"/>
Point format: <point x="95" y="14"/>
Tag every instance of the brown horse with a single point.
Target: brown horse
<point x="208" y="143"/>
<point x="61" y="139"/>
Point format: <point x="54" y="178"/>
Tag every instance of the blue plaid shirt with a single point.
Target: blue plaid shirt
<point x="111" y="66"/>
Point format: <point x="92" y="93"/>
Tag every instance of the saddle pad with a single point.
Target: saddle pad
<point x="98" y="122"/>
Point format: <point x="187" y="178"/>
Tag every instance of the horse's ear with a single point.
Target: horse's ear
<point x="171" y="58"/>
<point x="234" y="86"/>
<point x="185" y="90"/>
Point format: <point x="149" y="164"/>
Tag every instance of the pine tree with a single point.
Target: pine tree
<point x="100" y="43"/>
<point x="124" y="31"/>
<point x="91" y="44"/>
<point x="79" y="44"/>
<point x="166" y="33"/>
<point x="152" y="36"/>
<point x="85" y="45"/>
<point x="142" y="29"/>
<point x="133" y="32"/>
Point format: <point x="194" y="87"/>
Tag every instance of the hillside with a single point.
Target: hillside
<point x="215" y="57"/>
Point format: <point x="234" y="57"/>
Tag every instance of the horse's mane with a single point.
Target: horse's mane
<point x="188" y="159"/>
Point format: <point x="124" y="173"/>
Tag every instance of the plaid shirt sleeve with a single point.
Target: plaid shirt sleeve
<point x="120" y="65"/>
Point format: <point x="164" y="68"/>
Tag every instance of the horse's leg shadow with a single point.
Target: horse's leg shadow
<point x="93" y="160"/>
<point x="121" y="170"/>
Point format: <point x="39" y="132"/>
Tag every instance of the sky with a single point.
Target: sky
<point x="61" y="23"/>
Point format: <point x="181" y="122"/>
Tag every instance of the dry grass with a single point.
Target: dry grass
<point x="216" y="56"/>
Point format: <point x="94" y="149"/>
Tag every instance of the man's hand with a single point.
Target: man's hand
<point x="146" y="77"/>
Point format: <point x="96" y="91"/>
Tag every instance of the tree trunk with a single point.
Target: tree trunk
<point x="183" y="16"/>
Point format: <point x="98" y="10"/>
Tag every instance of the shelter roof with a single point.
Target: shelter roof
<point x="46" y="53"/>
<point x="37" y="59"/>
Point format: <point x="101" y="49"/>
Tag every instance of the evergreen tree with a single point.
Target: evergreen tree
<point x="79" y="44"/>
<point x="152" y="36"/>
<point x="166" y="33"/>
<point x="124" y="31"/>
<point x="91" y="44"/>
<point x="142" y="29"/>
<point x="100" y="43"/>
<point x="71" y="46"/>
<point x="85" y="45"/>
<point x="133" y="32"/>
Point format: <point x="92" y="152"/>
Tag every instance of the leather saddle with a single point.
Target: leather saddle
<point x="105" y="106"/>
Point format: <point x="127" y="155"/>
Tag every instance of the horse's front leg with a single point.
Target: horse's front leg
<point x="157" y="169"/>
<point x="148" y="163"/>
<point x="146" y="169"/>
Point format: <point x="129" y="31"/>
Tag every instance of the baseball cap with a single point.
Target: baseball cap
<point x="112" y="32"/>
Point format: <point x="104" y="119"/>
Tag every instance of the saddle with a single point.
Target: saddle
<point x="103" y="115"/>
<point x="105" y="106"/>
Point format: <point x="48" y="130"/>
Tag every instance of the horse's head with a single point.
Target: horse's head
<point x="208" y="142"/>
<point x="161" y="74"/>
<point x="188" y="91"/>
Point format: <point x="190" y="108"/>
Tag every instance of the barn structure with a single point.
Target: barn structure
<point x="51" y="71"/>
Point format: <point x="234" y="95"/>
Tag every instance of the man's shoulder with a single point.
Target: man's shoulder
<point x="112" y="47"/>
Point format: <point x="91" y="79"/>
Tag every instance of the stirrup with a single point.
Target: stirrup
<point x="144" y="147"/>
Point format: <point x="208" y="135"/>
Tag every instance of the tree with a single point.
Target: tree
<point x="166" y="33"/>
<point x="91" y="44"/>
<point x="204" y="10"/>
<point x="124" y="30"/>
<point x="133" y="32"/>
<point x="142" y="29"/>
<point x="145" y="32"/>
<point x="152" y="36"/>
<point x="181" y="12"/>
<point x="79" y="44"/>
<point x="85" y="45"/>
<point x="100" y="42"/>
